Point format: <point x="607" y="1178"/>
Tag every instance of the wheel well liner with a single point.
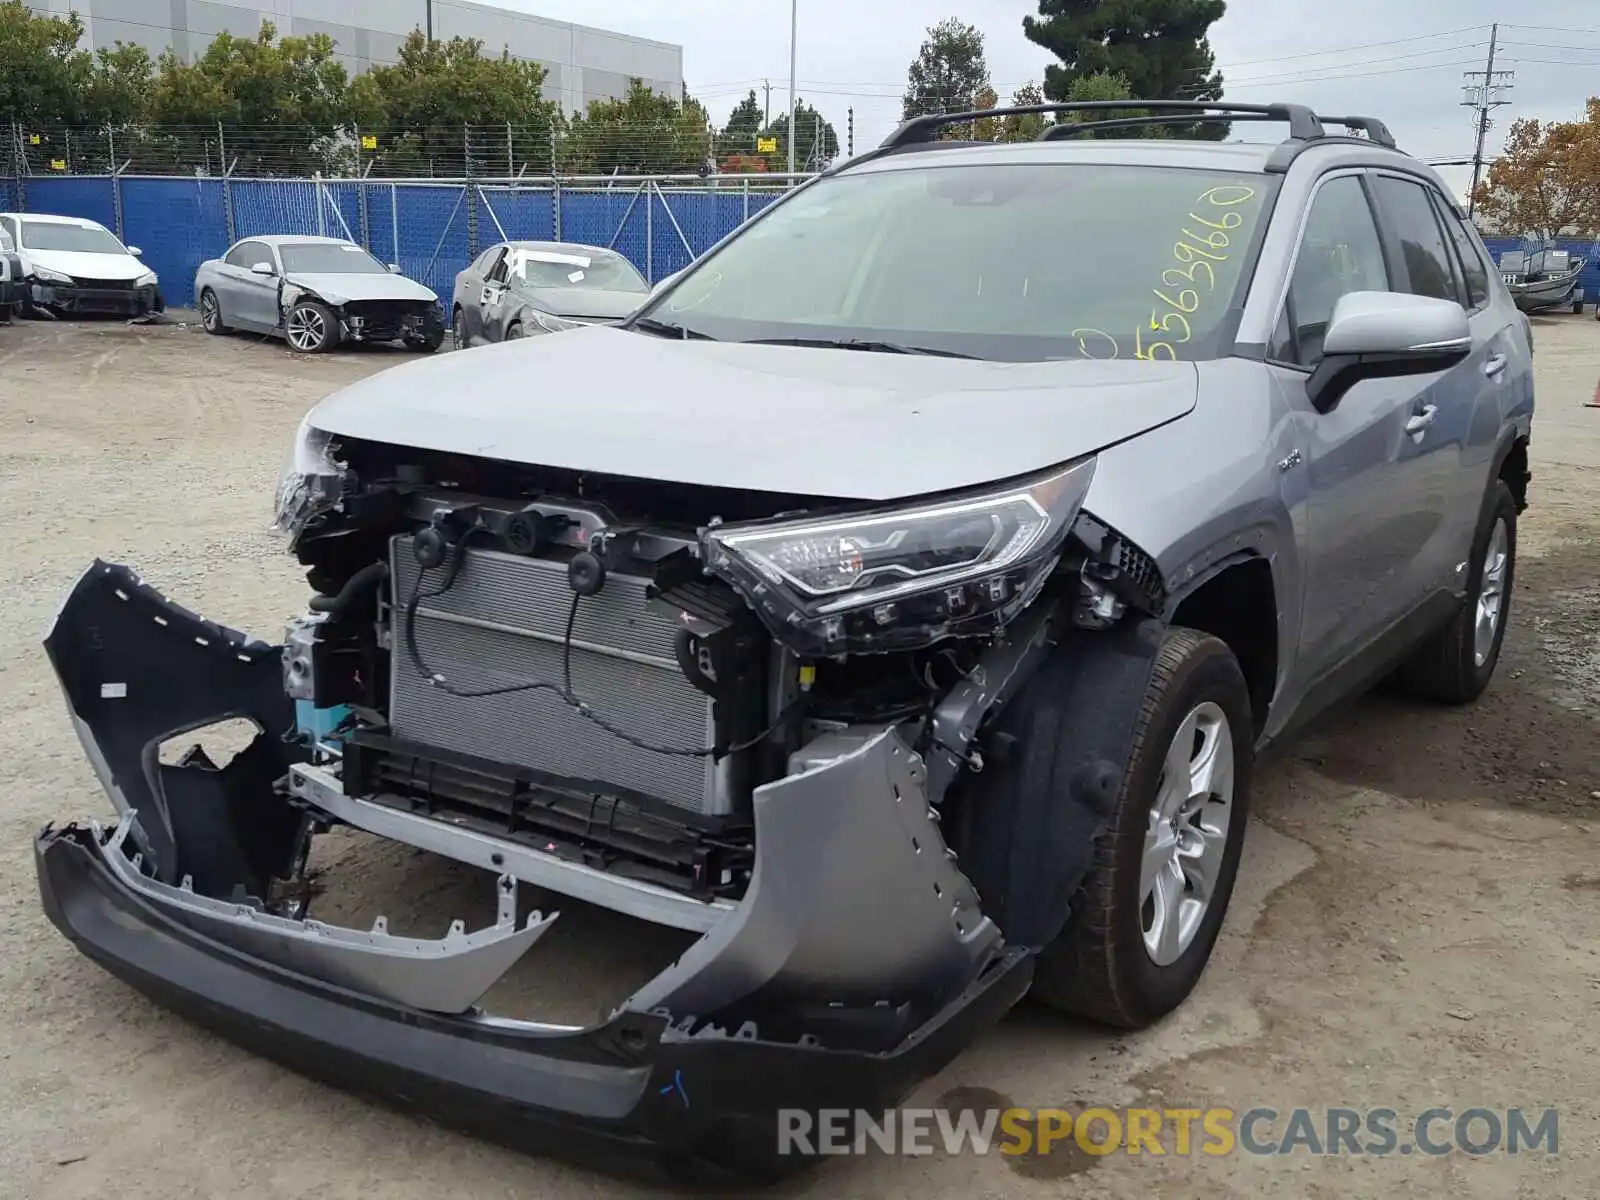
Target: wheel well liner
<point x="1238" y="604"/>
<point x="1513" y="468"/>
<point x="1028" y="849"/>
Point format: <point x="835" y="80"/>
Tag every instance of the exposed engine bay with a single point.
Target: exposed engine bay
<point x="605" y="669"/>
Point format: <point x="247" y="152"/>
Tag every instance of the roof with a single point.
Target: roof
<point x="1151" y="152"/>
<point x="52" y="219"/>
<point x="280" y="239"/>
<point x="560" y="247"/>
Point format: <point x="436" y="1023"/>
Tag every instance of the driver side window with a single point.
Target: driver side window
<point x="1340" y="252"/>
<point x="498" y="273"/>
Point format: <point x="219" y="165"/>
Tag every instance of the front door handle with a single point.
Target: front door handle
<point x="1419" y="422"/>
<point x="1495" y="365"/>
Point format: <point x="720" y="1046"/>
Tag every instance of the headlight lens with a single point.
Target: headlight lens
<point x="312" y="481"/>
<point x="554" y="324"/>
<point x="148" y="279"/>
<point x="46" y="275"/>
<point x="904" y="578"/>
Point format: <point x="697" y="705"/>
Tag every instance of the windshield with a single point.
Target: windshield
<point x="328" y="258"/>
<point x="591" y="269"/>
<point x="1013" y="262"/>
<point x="84" y="239"/>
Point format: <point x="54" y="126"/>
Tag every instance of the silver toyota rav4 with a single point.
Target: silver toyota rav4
<point x="897" y="601"/>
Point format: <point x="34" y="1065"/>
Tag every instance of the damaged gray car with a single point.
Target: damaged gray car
<point x="901" y="611"/>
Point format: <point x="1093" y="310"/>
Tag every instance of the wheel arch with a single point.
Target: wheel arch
<point x="1511" y="465"/>
<point x="1236" y="601"/>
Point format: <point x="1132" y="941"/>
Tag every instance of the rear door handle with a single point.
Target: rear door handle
<point x="1419" y="422"/>
<point x="1495" y="365"/>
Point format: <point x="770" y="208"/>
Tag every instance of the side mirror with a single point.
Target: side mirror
<point x="394" y="268"/>
<point x="1386" y="335"/>
<point x="135" y="251"/>
<point x="262" y="268"/>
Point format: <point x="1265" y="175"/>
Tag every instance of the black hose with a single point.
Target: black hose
<point x="369" y="577"/>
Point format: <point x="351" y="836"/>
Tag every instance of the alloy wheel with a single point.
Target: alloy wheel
<point x="306" y="330"/>
<point x="1187" y="836"/>
<point x="1491" y="593"/>
<point x="208" y="311"/>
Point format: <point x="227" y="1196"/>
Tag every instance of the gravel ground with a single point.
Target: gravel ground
<point x="1416" y="921"/>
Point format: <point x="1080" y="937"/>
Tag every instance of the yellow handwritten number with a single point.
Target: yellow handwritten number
<point x="1228" y="195"/>
<point x="1140" y="350"/>
<point x="1083" y="336"/>
<point x="1199" y="264"/>
<point x="1223" y="224"/>
<point x="1187" y="302"/>
<point x="1165" y="325"/>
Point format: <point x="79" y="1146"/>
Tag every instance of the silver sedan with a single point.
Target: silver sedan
<point x="516" y="289"/>
<point x="315" y="292"/>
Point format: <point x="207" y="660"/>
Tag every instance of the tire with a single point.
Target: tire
<point x="1453" y="666"/>
<point x="513" y="331"/>
<point x="211" y="314"/>
<point x="311" y="327"/>
<point x="458" y="329"/>
<point x="1104" y="965"/>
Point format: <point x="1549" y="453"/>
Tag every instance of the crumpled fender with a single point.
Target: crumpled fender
<point x="136" y="670"/>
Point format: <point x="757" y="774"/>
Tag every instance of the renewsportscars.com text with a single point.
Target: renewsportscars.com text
<point x="1179" y="1132"/>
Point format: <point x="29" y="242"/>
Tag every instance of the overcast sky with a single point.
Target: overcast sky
<point x="1395" y="59"/>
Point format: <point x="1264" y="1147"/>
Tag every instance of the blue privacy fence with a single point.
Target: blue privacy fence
<point x="432" y="229"/>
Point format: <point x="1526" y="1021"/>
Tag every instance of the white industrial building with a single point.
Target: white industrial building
<point x="584" y="64"/>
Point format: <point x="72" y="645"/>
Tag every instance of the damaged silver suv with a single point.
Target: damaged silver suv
<point x="898" y="600"/>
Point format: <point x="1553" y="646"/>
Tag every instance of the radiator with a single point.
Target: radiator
<point x="502" y="623"/>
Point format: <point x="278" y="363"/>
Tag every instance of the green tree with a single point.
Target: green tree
<point x="643" y="133"/>
<point x="739" y="135"/>
<point x="815" y="142"/>
<point x="42" y="71"/>
<point x="120" y="86"/>
<point x="1104" y="86"/>
<point x="949" y="72"/>
<point x="1159" y="47"/>
<point x="1028" y="128"/>
<point x="281" y="103"/>
<point x="420" y="107"/>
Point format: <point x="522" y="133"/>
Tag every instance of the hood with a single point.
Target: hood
<point x="86" y="266"/>
<point x="339" y="288"/>
<point x="592" y="304"/>
<point x="846" y="424"/>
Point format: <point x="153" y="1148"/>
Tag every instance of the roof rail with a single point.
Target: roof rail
<point x="1304" y="124"/>
<point x="1301" y="120"/>
<point x="1067" y="129"/>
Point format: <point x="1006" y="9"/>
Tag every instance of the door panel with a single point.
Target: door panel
<point x="481" y="312"/>
<point x="1368" y="518"/>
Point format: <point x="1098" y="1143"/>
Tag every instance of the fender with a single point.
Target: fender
<point x="1058" y="755"/>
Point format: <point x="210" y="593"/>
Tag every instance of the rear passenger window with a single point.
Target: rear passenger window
<point x="1476" y="270"/>
<point x="1339" y="253"/>
<point x="1427" y="259"/>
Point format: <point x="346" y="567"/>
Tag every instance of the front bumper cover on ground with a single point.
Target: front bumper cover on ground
<point x="857" y="964"/>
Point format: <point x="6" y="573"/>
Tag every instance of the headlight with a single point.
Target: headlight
<point x="554" y="324"/>
<point x="46" y="275"/>
<point x="311" y="483"/>
<point x="148" y="279"/>
<point x="905" y="578"/>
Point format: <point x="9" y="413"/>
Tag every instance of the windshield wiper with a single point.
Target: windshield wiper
<point x="858" y="344"/>
<point x="668" y="329"/>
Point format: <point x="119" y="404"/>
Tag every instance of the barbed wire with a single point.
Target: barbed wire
<point x="503" y="150"/>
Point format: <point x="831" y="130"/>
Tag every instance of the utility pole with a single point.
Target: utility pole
<point x="428" y="9"/>
<point x="1484" y="91"/>
<point x="850" y="132"/>
<point x="766" y="116"/>
<point x="794" y="25"/>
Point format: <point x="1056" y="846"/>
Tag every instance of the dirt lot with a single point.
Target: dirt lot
<point x="1418" y="920"/>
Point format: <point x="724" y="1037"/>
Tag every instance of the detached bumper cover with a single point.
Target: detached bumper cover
<point x="857" y="964"/>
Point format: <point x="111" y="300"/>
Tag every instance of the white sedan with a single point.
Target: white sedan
<point x="74" y="265"/>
